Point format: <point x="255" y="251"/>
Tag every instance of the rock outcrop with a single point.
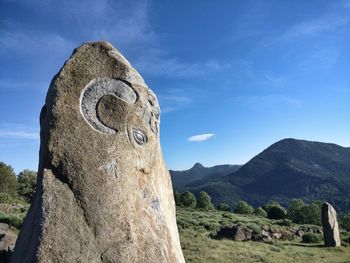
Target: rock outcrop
<point x="7" y="242"/>
<point x="330" y="226"/>
<point x="104" y="193"/>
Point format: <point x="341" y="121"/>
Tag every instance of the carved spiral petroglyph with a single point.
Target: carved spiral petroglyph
<point x="94" y="91"/>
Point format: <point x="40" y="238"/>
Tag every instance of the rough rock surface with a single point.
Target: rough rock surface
<point x="330" y="226"/>
<point x="104" y="193"/>
<point x="7" y="242"/>
<point x="234" y="232"/>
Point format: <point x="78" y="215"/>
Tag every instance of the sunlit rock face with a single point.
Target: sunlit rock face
<point x="104" y="192"/>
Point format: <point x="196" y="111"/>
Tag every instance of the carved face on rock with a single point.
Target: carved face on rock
<point x="111" y="106"/>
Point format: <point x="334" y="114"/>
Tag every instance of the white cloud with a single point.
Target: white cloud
<point x="269" y="100"/>
<point x="157" y="62"/>
<point x="323" y="58"/>
<point x="21" y="41"/>
<point x="19" y="135"/>
<point x="323" y="24"/>
<point x="201" y="137"/>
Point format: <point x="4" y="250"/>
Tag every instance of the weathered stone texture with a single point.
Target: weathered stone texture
<point x="330" y="226"/>
<point x="7" y="242"/>
<point x="104" y="193"/>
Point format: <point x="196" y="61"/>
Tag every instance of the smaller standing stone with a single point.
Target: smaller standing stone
<point x="330" y="226"/>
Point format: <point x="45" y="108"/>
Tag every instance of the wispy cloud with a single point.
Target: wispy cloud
<point x="311" y="28"/>
<point x="19" y="135"/>
<point x="174" y="99"/>
<point x="21" y="41"/>
<point x="18" y="131"/>
<point x="122" y="23"/>
<point x="20" y="84"/>
<point x="156" y="62"/>
<point x="201" y="137"/>
<point x="268" y="100"/>
<point x="323" y="58"/>
<point x="274" y="81"/>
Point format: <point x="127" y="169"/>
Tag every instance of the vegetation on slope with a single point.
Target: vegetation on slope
<point x="195" y="227"/>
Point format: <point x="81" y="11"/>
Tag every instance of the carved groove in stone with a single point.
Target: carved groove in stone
<point x="94" y="91"/>
<point x="139" y="136"/>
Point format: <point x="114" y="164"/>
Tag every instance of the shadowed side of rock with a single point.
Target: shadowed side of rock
<point x="104" y="192"/>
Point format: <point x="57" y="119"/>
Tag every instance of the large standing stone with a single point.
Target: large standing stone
<point x="104" y="193"/>
<point x="330" y="226"/>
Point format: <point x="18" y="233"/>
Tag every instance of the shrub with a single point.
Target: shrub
<point x="312" y="213"/>
<point x="302" y="213"/>
<point x="284" y="222"/>
<point x="276" y="212"/>
<point x="244" y="208"/>
<point x="260" y="212"/>
<point x="6" y="198"/>
<point x="223" y="207"/>
<point x="188" y="199"/>
<point x="12" y="220"/>
<point x="177" y="198"/>
<point x="228" y="215"/>
<point x="311" y="238"/>
<point x="26" y="184"/>
<point x="256" y="229"/>
<point x="8" y="180"/>
<point x="345" y="222"/>
<point x="294" y="210"/>
<point x="204" y="201"/>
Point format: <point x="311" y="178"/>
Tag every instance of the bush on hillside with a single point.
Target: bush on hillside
<point x="26" y="184"/>
<point x="276" y="211"/>
<point x="301" y="213"/>
<point x="311" y="238"/>
<point x="188" y="199"/>
<point x="254" y="227"/>
<point x="11" y="219"/>
<point x="294" y="210"/>
<point x="223" y="207"/>
<point x="6" y="198"/>
<point x="177" y="197"/>
<point x="260" y="212"/>
<point x="204" y="201"/>
<point x="284" y="222"/>
<point x="345" y="222"/>
<point x="312" y="213"/>
<point x="8" y="180"/>
<point x="244" y="208"/>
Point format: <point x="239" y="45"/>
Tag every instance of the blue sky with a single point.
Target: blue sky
<point x="232" y="77"/>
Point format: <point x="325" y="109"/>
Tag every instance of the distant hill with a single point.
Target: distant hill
<point x="198" y="173"/>
<point x="287" y="169"/>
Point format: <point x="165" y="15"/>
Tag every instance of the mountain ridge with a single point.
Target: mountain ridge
<point x="289" y="168"/>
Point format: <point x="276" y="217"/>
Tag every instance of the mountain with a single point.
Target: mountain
<point x="198" y="172"/>
<point x="287" y="169"/>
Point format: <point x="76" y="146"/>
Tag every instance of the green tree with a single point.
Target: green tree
<point x="260" y="212"/>
<point x="243" y="208"/>
<point x="188" y="199"/>
<point x="311" y="214"/>
<point x="8" y="182"/>
<point x="26" y="184"/>
<point x="294" y="211"/>
<point x="204" y="201"/>
<point x="223" y="207"/>
<point x="345" y="222"/>
<point x="177" y="197"/>
<point x="275" y="211"/>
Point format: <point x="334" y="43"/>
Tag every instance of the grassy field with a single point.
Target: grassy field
<point x="195" y="227"/>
